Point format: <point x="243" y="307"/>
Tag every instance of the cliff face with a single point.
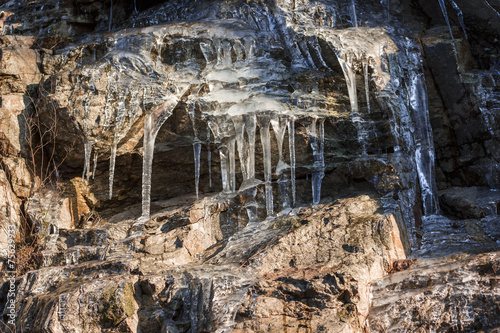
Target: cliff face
<point x="202" y="166"/>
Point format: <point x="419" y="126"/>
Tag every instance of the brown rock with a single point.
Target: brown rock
<point x="48" y="208"/>
<point x="12" y="123"/>
<point x="10" y="220"/>
<point x="19" y="175"/>
<point x="21" y="63"/>
<point x="458" y="293"/>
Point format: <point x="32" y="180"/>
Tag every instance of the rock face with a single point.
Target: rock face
<point x="249" y="166"/>
<point x="457" y="293"/>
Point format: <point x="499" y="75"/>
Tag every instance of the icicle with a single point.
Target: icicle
<point x="95" y="164"/>
<point x="147" y="163"/>
<point x="354" y="17"/>
<point x="232" y="164"/>
<point x="224" y="167"/>
<point x="265" y="139"/>
<point x="367" y="84"/>
<point x="350" y="78"/>
<point x="460" y="15"/>
<point x="86" y="168"/>
<point x="209" y="157"/>
<point x="196" y="148"/>
<point x="317" y="141"/>
<point x="197" y="153"/>
<point x="135" y="6"/>
<point x="279" y="128"/>
<point x="110" y="15"/>
<point x="250" y="127"/>
<point x="112" y="160"/>
<point x="153" y="121"/>
<point x="246" y="146"/>
<point x="445" y="14"/>
<point x="291" y="144"/>
<point x="94" y="57"/>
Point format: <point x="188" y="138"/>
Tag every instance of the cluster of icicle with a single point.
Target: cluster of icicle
<point x="382" y="65"/>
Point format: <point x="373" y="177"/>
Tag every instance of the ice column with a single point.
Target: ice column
<point x="153" y="121"/>
<point x="223" y="131"/>
<point x="317" y="141"/>
<point x="209" y="158"/>
<point x="196" y="149"/>
<point x="279" y="127"/>
<point x="366" y="65"/>
<point x="112" y="161"/>
<point x="86" y="168"/>
<point x="246" y="124"/>
<point x="350" y="77"/>
<point x="291" y="144"/>
<point x="197" y="153"/>
<point x="265" y="139"/>
<point x="95" y="164"/>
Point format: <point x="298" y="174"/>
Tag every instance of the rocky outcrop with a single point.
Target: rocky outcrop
<point x="310" y="268"/>
<point x="457" y="293"/>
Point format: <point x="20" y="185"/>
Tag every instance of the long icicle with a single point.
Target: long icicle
<point x="96" y="155"/>
<point x="209" y="157"/>
<point x="366" y="66"/>
<point x="291" y="144"/>
<point x="147" y="164"/>
<point x="112" y="161"/>
<point x="197" y="153"/>
<point x="279" y="127"/>
<point x="153" y="121"/>
<point x="265" y="139"/>
<point x="86" y="168"/>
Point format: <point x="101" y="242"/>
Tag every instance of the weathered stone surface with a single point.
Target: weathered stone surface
<point x="13" y="124"/>
<point x="19" y="175"/>
<point x="10" y="220"/>
<point x="315" y="280"/>
<point x="49" y="211"/>
<point x="458" y="293"/>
